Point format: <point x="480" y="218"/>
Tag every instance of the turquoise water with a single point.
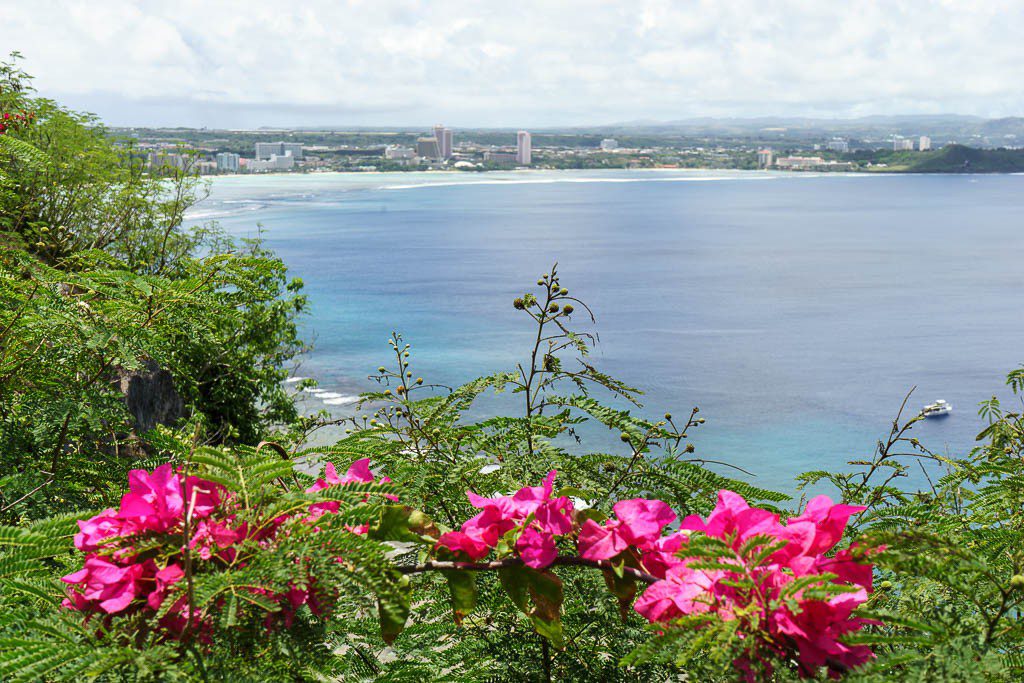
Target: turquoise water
<point x="795" y="310"/>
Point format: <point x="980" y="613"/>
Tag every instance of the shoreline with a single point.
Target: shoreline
<point x="526" y="171"/>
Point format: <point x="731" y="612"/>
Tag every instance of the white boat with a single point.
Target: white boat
<point x="938" y="409"/>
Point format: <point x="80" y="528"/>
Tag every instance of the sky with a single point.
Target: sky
<point x="522" y="63"/>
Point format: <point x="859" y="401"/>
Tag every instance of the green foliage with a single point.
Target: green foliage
<point x="101" y="280"/>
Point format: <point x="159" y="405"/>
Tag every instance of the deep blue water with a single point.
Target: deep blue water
<point x="795" y="310"/>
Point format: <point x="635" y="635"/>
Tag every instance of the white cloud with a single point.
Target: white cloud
<point x="533" y="62"/>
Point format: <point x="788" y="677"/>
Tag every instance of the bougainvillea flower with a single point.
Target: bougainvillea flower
<point x="97" y="529"/>
<point x="663" y="554"/>
<point x="829" y="521"/>
<point x="536" y="548"/>
<point x="154" y="501"/>
<point x="111" y="587"/>
<point x="733" y="518"/>
<point x="639" y="522"/>
<point x="457" y="541"/>
<point x="683" y="591"/>
<point x="165" y="578"/>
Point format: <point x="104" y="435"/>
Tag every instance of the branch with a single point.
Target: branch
<point x="564" y="560"/>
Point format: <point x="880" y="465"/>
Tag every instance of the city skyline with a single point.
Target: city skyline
<point x="404" y="63"/>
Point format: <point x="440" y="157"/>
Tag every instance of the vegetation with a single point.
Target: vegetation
<point x="948" y="159"/>
<point x="201" y="541"/>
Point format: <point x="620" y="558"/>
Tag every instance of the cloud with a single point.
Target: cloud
<point x="533" y="62"/>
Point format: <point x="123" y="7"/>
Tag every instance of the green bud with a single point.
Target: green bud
<point x="553" y="308"/>
<point x="519" y="304"/>
<point x="690" y="448"/>
<point x="624" y="437"/>
<point x="419" y="380"/>
<point x="668" y="416"/>
<point x="563" y="291"/>
<point x="700" y="420"/>
<point x="387" y="392"/>
<point x="568" y="309"/>
<point x="382" y="369"/>
<point x="886" y="585"/>
<point x="1017" y="582"/>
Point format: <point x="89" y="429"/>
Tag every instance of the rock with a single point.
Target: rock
<point x="150" y="397"/>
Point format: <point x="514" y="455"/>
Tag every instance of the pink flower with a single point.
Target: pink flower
<point x="358" y="472"/>
<point x="154" y="500"/>
<point x="164" y="579"/>
<point x="662" y="554"/>
<point x="555" y="516"/>
<point x="639" y="522"/>
<point x="457" y="541"/>
<point x="207" y="496"/>
<point x="536" y="548"/>
<point x="211" y="536"/>
<point x="99" y="528"/>
<point x="111" y="587"/>
<point x="732" y="517"/>
<point x="683" y="591"/>
<point x="817" y="628"/>
<point x="808" y="630"/>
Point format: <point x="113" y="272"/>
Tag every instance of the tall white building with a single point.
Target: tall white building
<point x="765" y="158"/>
<point x="839" y="145"/>
<point x="443" y="136"/>
<point x="265" y="150"/>
<point x="524" y="148"/>
<point x="925" y="143"/>
<point x="902" y="144"/>
<point x="398" y="152"/>
<point x="226" y="161"/>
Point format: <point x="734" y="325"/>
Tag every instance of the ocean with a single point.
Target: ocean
<point x="797" y="310"/>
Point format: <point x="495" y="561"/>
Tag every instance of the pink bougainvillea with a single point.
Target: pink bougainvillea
<point x="117" y="579"/>
<point x="807" y="629"/>
<point x="784" y="586"/>
<point x="532" y="511"/>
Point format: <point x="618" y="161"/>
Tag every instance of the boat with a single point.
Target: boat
<point x="938" y="409"/>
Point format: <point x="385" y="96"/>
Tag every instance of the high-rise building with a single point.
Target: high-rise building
<point x="427" y="147"/>
<point x="524" y="148"/>
<point x="501" y="157"/>
<point x="925" y="143"/>
<point x="765" y="158"/>
<point x="901" y="144"/>
<point x="609" y="144"/>
<point x="398" y="152"/>
<point x="839" y="145"/>
<point x="265" y="150"/>
<point x="443" y="137"/>
<point x="276" y="162"/>
<point x="226" y="161"/>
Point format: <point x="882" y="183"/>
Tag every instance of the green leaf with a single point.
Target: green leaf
<point x="462" y="586"/>
<point x="393" y="609"/>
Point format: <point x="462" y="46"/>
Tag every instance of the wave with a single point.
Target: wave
<point x="341" y="400"/>
<point x="293" y="380"/>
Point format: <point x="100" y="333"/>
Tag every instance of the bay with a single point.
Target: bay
<point x="797" y="310"/>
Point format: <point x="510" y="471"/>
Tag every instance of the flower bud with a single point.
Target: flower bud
<point x="553" y="308"/>
<point x="382" y="369"/>
<point x="568" y="309"/>
<point x="624" y="437"/>
<point x="419" y="380"/>
<point x="668" y="416"/>
<point x="519" y="304"/>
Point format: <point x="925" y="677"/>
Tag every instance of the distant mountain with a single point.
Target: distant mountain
<point x="942" y="128"/>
